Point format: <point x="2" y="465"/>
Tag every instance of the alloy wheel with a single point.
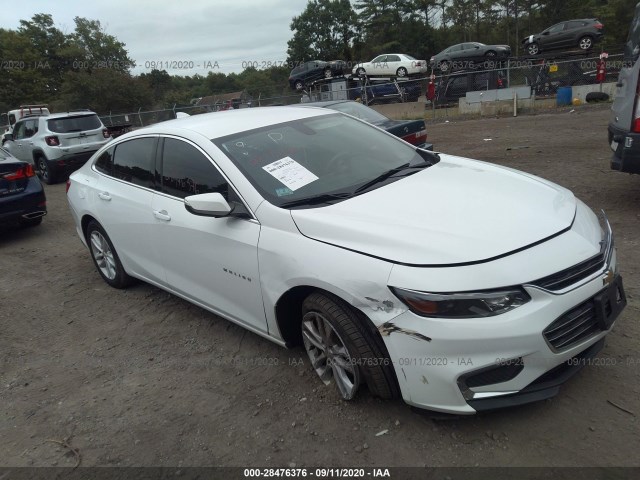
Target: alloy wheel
<point x="329" y="355"/>
<point x="103" y="255"/>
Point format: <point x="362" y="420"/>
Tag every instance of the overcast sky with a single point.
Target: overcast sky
<point x="194" y="32"/>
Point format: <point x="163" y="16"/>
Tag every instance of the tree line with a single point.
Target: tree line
<point x="89" y="68"/>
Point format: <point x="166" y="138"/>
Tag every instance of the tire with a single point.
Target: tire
<point x="105" y="258"/>
<point x="490" y="54"/>
<point x="402" y="72"/>
<point x="328" y="73"/>
<point x="445" y="66"/>
<point x="362" y="357"/>
<point x="596" y="97"/>
<point x="585" y="43"/>
<point x="533" y="49"/>
<point x="360" y="71"/>
<point x="298" y="85"/>
<point x="46" y="174"/>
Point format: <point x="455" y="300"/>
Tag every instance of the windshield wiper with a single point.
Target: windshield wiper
<point x="390" y="173"/>
<point x="323" y="198"/>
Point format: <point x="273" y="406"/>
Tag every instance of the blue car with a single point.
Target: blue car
<point x="22" y="198"/>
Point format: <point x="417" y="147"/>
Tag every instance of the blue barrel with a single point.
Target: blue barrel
<point x="564" y="96"/>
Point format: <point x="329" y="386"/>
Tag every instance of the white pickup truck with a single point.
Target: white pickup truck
<point x="23" y="111"/>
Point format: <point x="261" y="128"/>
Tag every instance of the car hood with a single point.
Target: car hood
<point x="456" y="212"/>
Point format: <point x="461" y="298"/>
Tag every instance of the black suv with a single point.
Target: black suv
<point x="581" y="33"/>
<point x="307" y="72"/>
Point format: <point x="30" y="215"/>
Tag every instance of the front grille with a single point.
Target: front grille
<point x="571" y="275"/>
<point x="573" y="327"/>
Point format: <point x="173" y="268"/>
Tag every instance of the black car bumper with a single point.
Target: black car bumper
<point x="547" y="386"/>
<point x="27" y="205"/>
<point x="626" y="150"/>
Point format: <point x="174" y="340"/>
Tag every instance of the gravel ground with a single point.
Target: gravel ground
<point x="140" y="377"/>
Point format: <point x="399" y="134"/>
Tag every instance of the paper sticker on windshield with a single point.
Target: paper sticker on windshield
<point x="290" y="173"/>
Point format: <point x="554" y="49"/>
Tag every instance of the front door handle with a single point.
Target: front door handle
<point x="162" y="215"/>
<point x="105" y="196"/>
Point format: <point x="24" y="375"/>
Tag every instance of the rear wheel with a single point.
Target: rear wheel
<point x="45" y="172"/>
<point x="402" y="72"/>
<point x="585" y="43"/>
<point x="343" y="350"/>
<point x="105" y="257"/>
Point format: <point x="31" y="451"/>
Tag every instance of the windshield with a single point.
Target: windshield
<point x="359" y="111"/>
<point x="330" y="154"/>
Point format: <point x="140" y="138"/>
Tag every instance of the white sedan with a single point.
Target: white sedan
<point x="394" y="64"/>
<point x="455" y="284"/>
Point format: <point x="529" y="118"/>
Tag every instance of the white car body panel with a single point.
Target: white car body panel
<point x="442" y="223"/>
<point x="450" y="213"/>
<point x="374" y="67"/>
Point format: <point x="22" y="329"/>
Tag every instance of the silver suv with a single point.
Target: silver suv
<point x="58" y="143"/>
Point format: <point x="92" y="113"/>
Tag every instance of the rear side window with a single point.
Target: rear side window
<point x="575" y="24"/>
<point x="187" y="171"/>
<point x="104" y="163"/>
<point x="133" y="161"/>
<point x="79" y="123"/>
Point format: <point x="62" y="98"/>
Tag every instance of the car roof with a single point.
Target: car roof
<point x="220" y="124"/>
<point x="53" y="116"/>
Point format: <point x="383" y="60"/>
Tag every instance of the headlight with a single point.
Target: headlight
<point x="462" y="305"/>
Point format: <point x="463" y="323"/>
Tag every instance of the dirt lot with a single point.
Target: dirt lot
<point x="140" y="377"/>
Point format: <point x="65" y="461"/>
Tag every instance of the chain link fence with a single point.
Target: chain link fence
<point x="545" y="76"/>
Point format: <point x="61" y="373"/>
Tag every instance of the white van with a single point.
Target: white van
<point x="624" y="126"/>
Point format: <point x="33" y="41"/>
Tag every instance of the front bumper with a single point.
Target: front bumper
<point x="626" y="150"/>
<point x="434" y="357"/>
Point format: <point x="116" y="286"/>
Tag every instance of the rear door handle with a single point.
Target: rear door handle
<point x="162" y="215"/>
<point x="105" y="196"/>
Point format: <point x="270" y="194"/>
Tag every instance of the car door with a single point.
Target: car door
<point x="123" y="198"/>
<point x="393" y="63"/>
<point x="16" y="146"/>
<point x="212" y="261"/>
<point x="378" y="65"/>
<point x="30" y="129"/>
<point x="554" y="36"/>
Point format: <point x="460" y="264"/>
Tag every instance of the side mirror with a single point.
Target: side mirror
<point x="208" y="205"/>
<point x="8" y="136"/>
<point x="545" y="33"/>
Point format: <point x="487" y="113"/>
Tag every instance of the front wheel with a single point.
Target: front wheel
<point x="444" y="66"/>
<point x="105" y="257"/>
<point x="328" y="73"/>
<point x="342" y="350"/>
<point x="298" y="85"/>
<point x="360" y="72"/>
<point x="533" y="49"/>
